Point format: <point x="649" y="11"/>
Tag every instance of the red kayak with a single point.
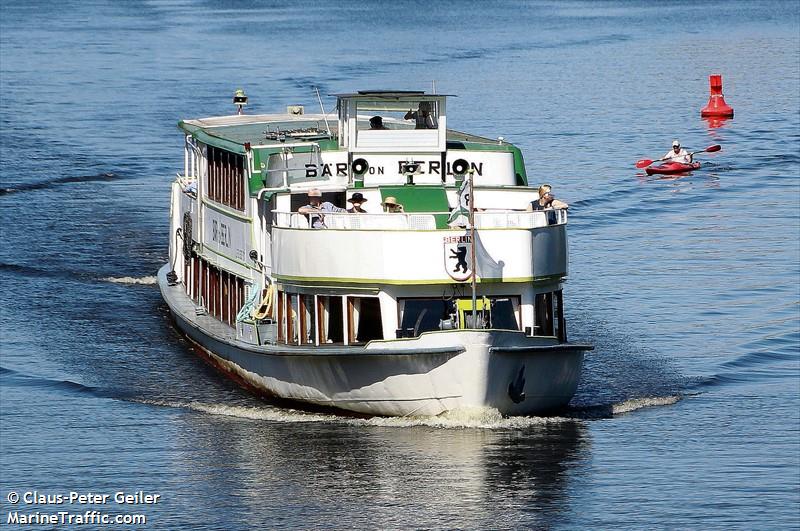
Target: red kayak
<point x="670" y="168"/>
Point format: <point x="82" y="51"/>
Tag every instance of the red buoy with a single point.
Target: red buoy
<point x="716" y="107"/>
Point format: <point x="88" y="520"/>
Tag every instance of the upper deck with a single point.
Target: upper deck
<point x="372" y="138"/>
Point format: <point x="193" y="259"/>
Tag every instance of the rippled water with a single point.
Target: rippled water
<point x="688" y="414"/>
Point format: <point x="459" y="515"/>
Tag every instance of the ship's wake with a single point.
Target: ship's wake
<point x="464" y="418"/>
<point x="146" y="280"/>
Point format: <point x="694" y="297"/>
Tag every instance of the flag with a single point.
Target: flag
<point x="459" y="216"/>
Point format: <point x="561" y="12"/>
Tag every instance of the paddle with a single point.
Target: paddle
<point x="647" y="162"/>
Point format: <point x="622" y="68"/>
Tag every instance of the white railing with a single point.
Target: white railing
<point x="423" y="221"/>
<point x="333" y="220"/>
<point x="519" y="220"/>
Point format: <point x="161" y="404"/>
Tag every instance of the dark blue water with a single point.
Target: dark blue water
<point x="688" y="415"/>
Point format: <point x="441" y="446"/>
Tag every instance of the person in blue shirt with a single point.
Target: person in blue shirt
<point x="316" y="207"/>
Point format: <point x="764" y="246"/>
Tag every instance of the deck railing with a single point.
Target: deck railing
<point x="422" y="221"/>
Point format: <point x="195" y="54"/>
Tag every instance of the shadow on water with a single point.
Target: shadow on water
<point x="53" y="183"/>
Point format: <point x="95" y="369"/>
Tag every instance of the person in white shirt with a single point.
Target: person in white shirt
<point x="677" y="154"/>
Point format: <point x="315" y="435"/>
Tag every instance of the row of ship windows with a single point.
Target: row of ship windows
<point x="332" y="318"/>
<point x="226" y="182"/>
<point x="220" y="293"/>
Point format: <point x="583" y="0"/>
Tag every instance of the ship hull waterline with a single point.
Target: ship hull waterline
<point x="424" y="376"/>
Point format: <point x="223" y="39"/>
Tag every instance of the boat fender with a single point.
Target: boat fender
<point x="515" y="388"/>
<point x="187" y="235"/>
<point x="360" y="166"/>
<point x="460" y="166"/>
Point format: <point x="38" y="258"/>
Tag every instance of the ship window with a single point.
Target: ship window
<point x="363" y="319"/>
<point x="226" y="178"/>
<point x="330" y="323"/>
<point x="281" y="307"/>
<point x="504" y="314"/>
<point x="390" y="112"/>
<point x="422" y="315"/>
<point x="425" y="315"/>
<point x="219" y="292"/>
<point x="548" y="315"/>
<point x="308" y="319"/>
<point x="291" y="318"/>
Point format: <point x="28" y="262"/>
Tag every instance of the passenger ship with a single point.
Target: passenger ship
<point x="454" y="303"/>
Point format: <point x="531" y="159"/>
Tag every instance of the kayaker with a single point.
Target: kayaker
<point x="678" y="154"/>
<point x="546" y="200"/>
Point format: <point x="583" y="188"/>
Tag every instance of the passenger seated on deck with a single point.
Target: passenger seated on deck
<point x="676" y="154"/>
<point x="391" y="205"/>
<point x="376" y="122"/>
<point x="357" y="200"/>
<point x="423" y="116"/>
<point x="546" y="200"/>
<point x="315" y="208"/>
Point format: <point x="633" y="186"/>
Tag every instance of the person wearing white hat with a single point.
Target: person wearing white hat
<point x="391" y="205"/>
<point x="315" y="208"/>
<point x="677" y="154"/>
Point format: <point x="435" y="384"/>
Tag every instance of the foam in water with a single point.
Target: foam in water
<point x="470" y="418"/>
<point x="639" y="403"/>
<point x="131" y="280"/>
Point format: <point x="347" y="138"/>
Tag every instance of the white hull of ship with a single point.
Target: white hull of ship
<point x="424" y="376"/>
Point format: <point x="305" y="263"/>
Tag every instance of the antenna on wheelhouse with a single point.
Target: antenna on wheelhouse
<point x="433" y="86"/>
<point x="322" y="107"/>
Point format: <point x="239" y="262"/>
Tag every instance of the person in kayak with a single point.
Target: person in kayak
<point x="546" y="200"/>
<point x="677" y="154"/>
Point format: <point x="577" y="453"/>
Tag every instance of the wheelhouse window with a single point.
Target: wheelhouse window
<point x="383" y="115"/>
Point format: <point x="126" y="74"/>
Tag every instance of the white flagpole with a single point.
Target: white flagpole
<point x="472" y="247"/>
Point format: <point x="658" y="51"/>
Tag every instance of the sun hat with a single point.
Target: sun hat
<point x="358" y="197"/>
<point x="314" y="192"/>
<point x="676" y="143"/>
<point x="389" y="201"/>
